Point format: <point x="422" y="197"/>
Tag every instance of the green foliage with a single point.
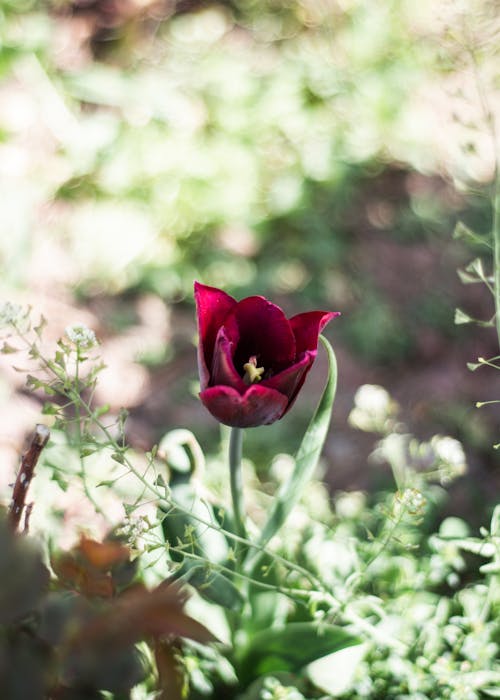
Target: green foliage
<point x="289" y="648"/>
<point x="199" y="551"/>
<point x="79" y="638"/>
<point x="376" y="575"/>
<point x="270" y="169"/>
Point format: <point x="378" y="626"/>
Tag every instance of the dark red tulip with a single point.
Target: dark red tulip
<point x="252" y="360"/>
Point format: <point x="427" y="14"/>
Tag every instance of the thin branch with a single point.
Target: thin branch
<point x="24" y="477"/>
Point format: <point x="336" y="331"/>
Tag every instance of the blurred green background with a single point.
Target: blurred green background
<point x="318" y="152"/>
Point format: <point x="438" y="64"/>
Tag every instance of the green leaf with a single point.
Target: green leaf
<point x="87" y="451"/>
<point x="50" y="409"/>
<point x="305" y="461"/>
<point x="335" y="673"/>
<point x="32" y="382"/>
<point x="491" y="692"/>
<point x="492" y="568"/>
<point x="268" y="609"/>
<point x="473" y="366"/>
<point x="476" y="268"/>
<point x="8" y="349"/>
<point x="467" y="278"/>
<point x="101" y="411"/>
<point x="214" y="586"/>
<point x="461" y="317"/>
<point x="41" y="325"/>
<point x="290" y="648"/>
<point x="199" y="550"/>
<point x="476" y="546"/>
<point x="495" y="522"/>
<point x="452" y="528"/>
<point x="463" y="232"/>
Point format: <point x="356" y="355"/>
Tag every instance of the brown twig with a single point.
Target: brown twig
<point x="24" y="477"/>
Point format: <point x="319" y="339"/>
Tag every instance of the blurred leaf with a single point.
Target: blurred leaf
<point x="170" y="671"/>
<point x="40" y="327"/>
<point x="103" y="665"/>
<point x="467" y="278"/>
<point x="62" y="614"/>
<point x="103" y="555"/>
<point x="95" y="568"/>
<point x="473" y="366"/>
<point x="476" y="546"/>
<point x="75" y="574"/>
<point x="269" y="609"/>
<point x="24" y="666"/>
<point x="474" y="273"/>
<point x="462" y="317"/>
<point x="214" y="586"/>
<point x="290" y="648"/>
<point x="182" y="452"/>
<point x="490" y="568"/>
<point x="495" y="522"/>
<point x="452" y="527"/>
<point x="23" y="576"/>
<point x="96" y="639"/>
<point x="139" y="614"/>
<point x="463" y="232"/>
<point x="50" y="409"/>
<point x="335" y="673"/>
<point x="187" y="536"/>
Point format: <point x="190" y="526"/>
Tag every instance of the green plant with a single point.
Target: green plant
<point x="356" y="578"/>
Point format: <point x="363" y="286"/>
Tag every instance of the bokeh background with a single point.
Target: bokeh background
<point x="319" y="152"/>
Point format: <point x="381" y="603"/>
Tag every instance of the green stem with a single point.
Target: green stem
<point x="496" y="248"/>
<point x="235" y="445"/>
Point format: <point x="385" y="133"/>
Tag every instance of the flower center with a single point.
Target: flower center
<point x="252" y="372"/>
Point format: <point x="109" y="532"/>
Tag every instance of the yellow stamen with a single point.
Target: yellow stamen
<point x="252" y="372"/>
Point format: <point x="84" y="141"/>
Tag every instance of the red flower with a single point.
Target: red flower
<point x="252" y="360"/>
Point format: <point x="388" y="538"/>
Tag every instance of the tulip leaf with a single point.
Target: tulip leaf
<point x="305" y="462"/>
<point x="290" y="648"/>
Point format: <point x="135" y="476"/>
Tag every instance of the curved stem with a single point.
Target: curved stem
<point x="235" y="443"/>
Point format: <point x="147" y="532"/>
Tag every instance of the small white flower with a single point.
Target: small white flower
<point x="350" y="504"/>
<point x="412" y="500"/>
<point x="373" y="410"/>
<point x="9" y="313"/>
<point x="450" y="457"/>
<point x="80" y="335"/>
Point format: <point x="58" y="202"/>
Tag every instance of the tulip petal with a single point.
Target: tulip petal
<point x="311" y="356"/>
<point x="260" y="405"/>
<point x="287" y="381"/>
<point x="306" y="328"/>
<point x="223" y="369"/>
<point x="212" y="307"/>
<point x="264" y="332"/>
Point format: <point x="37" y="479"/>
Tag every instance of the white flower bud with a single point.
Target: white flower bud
<point x="373" y="409"/>
<point x="80" y="335"/>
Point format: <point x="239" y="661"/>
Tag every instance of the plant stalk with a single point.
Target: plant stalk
<point x="236" y="480"/>
<point x="496" y="251"/>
